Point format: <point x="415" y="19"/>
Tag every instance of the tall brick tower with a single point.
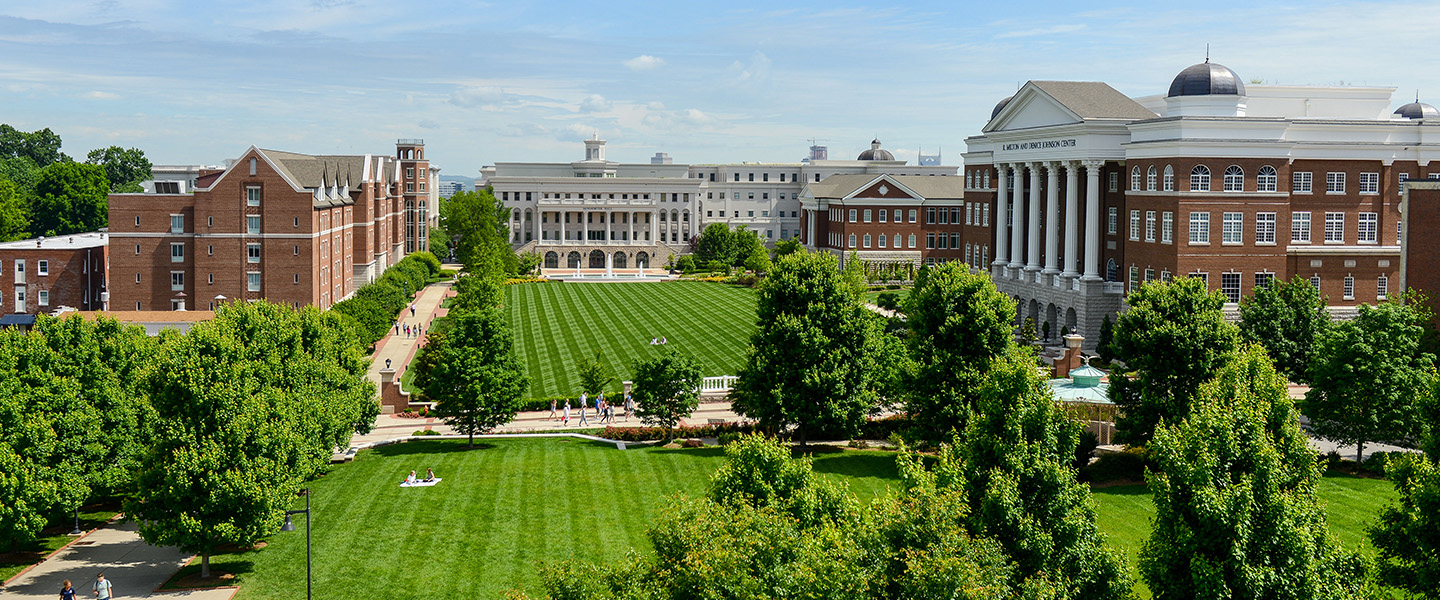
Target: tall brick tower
<point x="415" y="177"/>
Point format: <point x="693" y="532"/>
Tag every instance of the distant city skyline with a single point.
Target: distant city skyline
<point x="200" y="83"/>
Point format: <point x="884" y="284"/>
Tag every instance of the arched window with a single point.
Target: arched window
<point x="517" y="214"/>
<point x="1234" y="179"/>
<point x="969" y="179"/>
<point x="1150" y="177"/>
<point x="1112" y="270"/>
<point x="987" y="179"/>
<point x="1200" y="179"/>
<point x="1169" y="178"/>
<point x="1135" y="178"/>
<point x="1266" y="180"/>
<point x="852" y="240"/>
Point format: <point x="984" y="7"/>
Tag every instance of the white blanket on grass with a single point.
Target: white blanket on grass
<point x="420" y="483"/>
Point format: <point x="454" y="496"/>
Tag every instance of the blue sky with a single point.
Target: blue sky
<point x="198" y="82"/>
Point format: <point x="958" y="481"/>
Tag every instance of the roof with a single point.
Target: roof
<point x="75" y="241"/>
<point x="14" y="319"/>
<point x="1065" y="389"/>
<point x="312" y="171"/>
<point x="928" y="186"/>
<point x="150" y="316"/>
<point x="1093" y="100"/>
<point x="1206" y="79"/>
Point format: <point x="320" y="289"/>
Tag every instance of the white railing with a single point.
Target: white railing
<point x="1114" y="287"/>
<point x="723" y="383"/>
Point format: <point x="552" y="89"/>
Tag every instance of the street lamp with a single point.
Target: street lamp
<point x="77" y="522"/>
<point x="290" y="526"/>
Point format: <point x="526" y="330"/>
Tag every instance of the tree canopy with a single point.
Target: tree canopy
<point x="124" y="168"/>
<point x="475" y="378"/>
<point x="1287" y="318"/>
<point x="70" y="198"/>
<point x="476" y="222"/>
<point x="42" y="147"/>
<point x="666" y="388"/>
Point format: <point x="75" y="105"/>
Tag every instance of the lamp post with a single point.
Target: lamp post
<point x="290" y="526"/>
<point x="77" y="531"/>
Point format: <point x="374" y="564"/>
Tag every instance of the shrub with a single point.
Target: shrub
<point x="685" y="263"/>
<point x="1117" y="466"/>
<point x="374" y="306"/>
<point x="426" y="432"/>
<point x="727" y="438"/>
<point x="691" y="443"/>
<point x="646" y="434"/>
<point x="1083" y="451"/>
<point x="888" y="301"/>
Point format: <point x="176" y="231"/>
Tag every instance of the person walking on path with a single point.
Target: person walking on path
<point x="567" y="412"/>
<point x="412" y="310"/>
<point x="598" y="400"/>
<point x="102" y="588"/>
<point x="67" y="591"/>
<point x="583" y="420"/>
<point x="629" y="406"/>
<point x="552" y="409"/>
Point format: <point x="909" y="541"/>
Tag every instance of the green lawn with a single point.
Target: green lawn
<point x="555" y="324"/>
<point x="512" y="503"/>
<point x="872" y="296"/>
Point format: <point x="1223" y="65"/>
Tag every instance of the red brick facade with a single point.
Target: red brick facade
<point x="886" y="224"/>
<point x="41" y="275"/>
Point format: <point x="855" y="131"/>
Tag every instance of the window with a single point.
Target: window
<point x="1167" y="227"/>
<point x="1300" y="227"/>
<point x="969" y="213"/>
<point x="853" y="214"/>
<point x="1134" y="277"/>
<point x="137" y="220"/>
<point x="43" y="297"/>
<point x="1315" y="281"/>
<point x="1300" y="182"/>
<point x="297" y="222"/>
<point x="750" y="213"/>
<point x="930" y="216"/>
<point x="867" y="215"/>
<point x="297" y="278"/>
<point x="1263" y="280"/>
<point x="1135" y="178"/>
<point x="1232" y="228"/>
<point x="1200" y="179"/>
<point x="884" y="216"/>
<point x="1265" y="228"/>
<point x="1113" y="223"/>
<point x="969" y="179"/>
<point x="1369" y="183"/>
<point x="929" y="241"/>
<point x="42" y="267"/>
<point x="867" y="240"/>
<point x="177" y="223"/>
<point x="1349" y="291"/>
<point x="1134" y="224"/>
<point x="1334" y="183"/>
<point x="1114" y="181"/>
<point x="1199" y="228"/>
<point x="1234" y="179"/>
<point x="137" y="278"/>
<point x="1149" y="275"/>
<point x="1382" y="287"/>
<point x="252" y="281"/>
<point x="913" y="214"/>
<point x="987" y="178"/>
<point x="252" y="224"/>
<point x="764" y="177"/>
<point x="1404" y="177"/>
<point x="177" y="281"/>
<point x="252" y="252"/>
<point x="954" y="240"/>
<point x="883" y="238"/>
<point x="1334" y="228"/>
<point x="252" y="166"/>
<point x="252" y="196"/>
<point x="911" y="241"/>
<point x="1150" y="226"/>
<point x="852" y="240"/>
<point x="1150" y="179"/>
<point x="210" y="278"/>
<point x="1230" y="286"/>
<point x="1266" y="179"/>
<point x="210" y="249"/>
<point x="1369" y="228"/>
<point x="177" y="252"/>
<point x="985" y="213"/>
<point x="1169" y="178"/>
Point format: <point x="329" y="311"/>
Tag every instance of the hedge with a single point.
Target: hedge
<point x="373" y="307"/>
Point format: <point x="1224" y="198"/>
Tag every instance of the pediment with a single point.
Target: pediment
<point x="1031" y="108"/>
<point x="888" y="189"/>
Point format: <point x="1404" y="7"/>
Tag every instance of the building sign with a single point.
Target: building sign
<point x="1040" y="145"/>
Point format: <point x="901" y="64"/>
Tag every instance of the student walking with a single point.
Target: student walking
<point x="552" y="408"/>
<point x="102" y="588"/>
<point x="583" y="420"/>
<point x="629" y="406"/>
<point x="567" y="412"/>
<point x="67" y="591"/>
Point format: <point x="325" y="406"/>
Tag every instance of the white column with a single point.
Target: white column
<point x="562" y="214"/>
<point x="535" y="214"/>
<point x="654" y="227"/>
<point x="1032" y="254"/>
<point x="1017" y="227"/>
<point x="630" y="224"/>
<point x="1072" y="221"/>
<point x="1092" y="220"/>
<point x="1002" y="202"/>
<point x="1052" y="218"/>
<point x="609" y="216"/>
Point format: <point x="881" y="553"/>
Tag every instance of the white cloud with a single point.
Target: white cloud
<point x="470" y="96"/>
<point x="594" y="103"/>
<point x="755" y="72"/>
<point x="99" y="95"/>
<point x="644" y="62"/>
<point x="1068" y="28"/>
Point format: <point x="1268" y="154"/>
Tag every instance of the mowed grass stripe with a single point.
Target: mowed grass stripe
<point x="558" y="324"/>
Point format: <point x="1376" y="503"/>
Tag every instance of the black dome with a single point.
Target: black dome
<point x="1206" y="79"/>
<point x="1001" y="106"/>
<point x="1418" y="110"/>
<point x="875" y="152"/>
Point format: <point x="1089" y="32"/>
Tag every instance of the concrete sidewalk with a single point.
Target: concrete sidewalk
<point x="400" y="349"/>
<point x="134" y="567"/>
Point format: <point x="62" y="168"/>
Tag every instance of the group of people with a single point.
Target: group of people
<point x="660" y="341"/>
<point x="101" y="589"/>
<point x="429" y="476"/>
<point x="604" y="408"/>
<point x="411" y="331"/>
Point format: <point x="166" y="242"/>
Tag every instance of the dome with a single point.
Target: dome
<point x="999" y="106"/>
<point x="875" y="153"/>
<point x="1418" y="110"/>
<point x="1206" y="79"/>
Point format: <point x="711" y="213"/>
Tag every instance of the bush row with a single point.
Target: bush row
<point x="373" y="307"/>
<point x="645" y="434"/>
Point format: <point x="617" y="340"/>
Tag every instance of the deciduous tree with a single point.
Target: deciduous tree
<point x="476" y="222"/>
<point x="71" y="198"/>
<point x="1407" y="535"/>
<point x="1236" y="510"/>
<point x="14" y="211"/>
<point x="594" y="374"/>
<point x="41" y="147"/>
<point x="1287" y="318"/>
<point x="666" y="389"/>
<point x="1173" y="338"/>
<point x="717" y="242"/>
<point x="476" y="379"/>
<point x="124" y="168"/>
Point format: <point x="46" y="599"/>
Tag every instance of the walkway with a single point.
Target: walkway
<point x="398" y="348"/>
<point x="134" y="567"/>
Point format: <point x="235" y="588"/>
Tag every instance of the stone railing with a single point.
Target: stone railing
<point x="718" y="385"/>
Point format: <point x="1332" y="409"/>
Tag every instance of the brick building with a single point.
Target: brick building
<point x="41" y="275"/>
<point x="285" y="227"/>
<point x="895" y="220"/>
<point x="1234" y="184"/>
<point x="1420" y="262"/>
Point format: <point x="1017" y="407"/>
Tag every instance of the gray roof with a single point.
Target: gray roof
<point x="1093" y="100"/>
<point x="73" y="241"/>
<point x="928" y="186"/>
<point x="312" y="171"/>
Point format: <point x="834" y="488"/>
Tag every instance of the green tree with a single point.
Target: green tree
<point x="71" y="198"/>
<point x="14" y="213"/>
<point x="1173" y="338"/>
<point x="854" y="275"/>
<point x="473" y="292"/>
<point x="594" y="373"/>
<point x="1367" y="376"/>
<point x="813" y="362"/>
<point x="666" y="389"/>
<point x="784" y="247"/>
<point x="1287" y="318"/>
<point x="1013" y="464"/>
<point x="1234" y="487"/>
<point x="25" y="497"/>
<point x="717" y="242"/>
<point x="41" y="147"/>
<point x="1028" y="336"/>
<point x="1105" y="346"/>
<point x="758" y="261"/>
<point x="959" y="324"/>
<point x="1407" y="534"/>
<point x="124" y="169"/>
<point x="476" y="222"/>
<point x="476" y="380"/>
<point x="746" y="243"/>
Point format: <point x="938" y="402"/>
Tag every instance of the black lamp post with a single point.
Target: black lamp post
<point x="290" y="526"/>
<point x="77" y="522"/>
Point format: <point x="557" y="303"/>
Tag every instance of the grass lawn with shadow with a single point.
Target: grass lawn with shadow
<point x="55" y="535"/>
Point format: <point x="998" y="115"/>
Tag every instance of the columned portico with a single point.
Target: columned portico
<point x="1072" y="221"/>
<point x="1002" y="233"/>
<point x="1032" y="257"/>
<point x="1017" y="230"/>
<point x="1092" y="220"/>
<point x="1052" y="217"/>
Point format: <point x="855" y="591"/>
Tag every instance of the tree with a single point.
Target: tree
<point x="476" y="222"/>
<point x="124" y="169"/>
<point x="1027" y="332"/>
<point x="473" y="292"/>
<point x="745" y="243"/>
<point x="666" y="389"/>
<point x="1173" y="338"/>
<point x="476" y="379"/>
<point x="785" y="247"/>
<point x="758" y="261"/>
<point x="717" y="242"/>
<point x="1367" y="376"/>
<point x="1012" y="465"/>
<point x="41" y="147"/>
<point x="959" y="324"/>
<point x="71" y="198"/>
<point x="1105" y="346"/>
<point x="854" y="275"/>
<point x="1234" y="486"/>
<point x="14" y="216"/>
<point x="1287" y="318"/>
<point x="813" y="362"/>
<point x="1407" y="535"/>
<point x="595" y="374"/>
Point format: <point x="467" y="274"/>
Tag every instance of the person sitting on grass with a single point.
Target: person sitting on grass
<point x="429" y="475"/>
<point x="663" y="341"/>
<point x="411" y="477"/>
<point x="654" y="341"/>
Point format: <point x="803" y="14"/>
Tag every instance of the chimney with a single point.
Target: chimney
<point x="1072" y="359"/>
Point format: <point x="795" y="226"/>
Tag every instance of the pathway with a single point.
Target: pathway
<point x="398" y="348"/>
<point x="134" y="567"/>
